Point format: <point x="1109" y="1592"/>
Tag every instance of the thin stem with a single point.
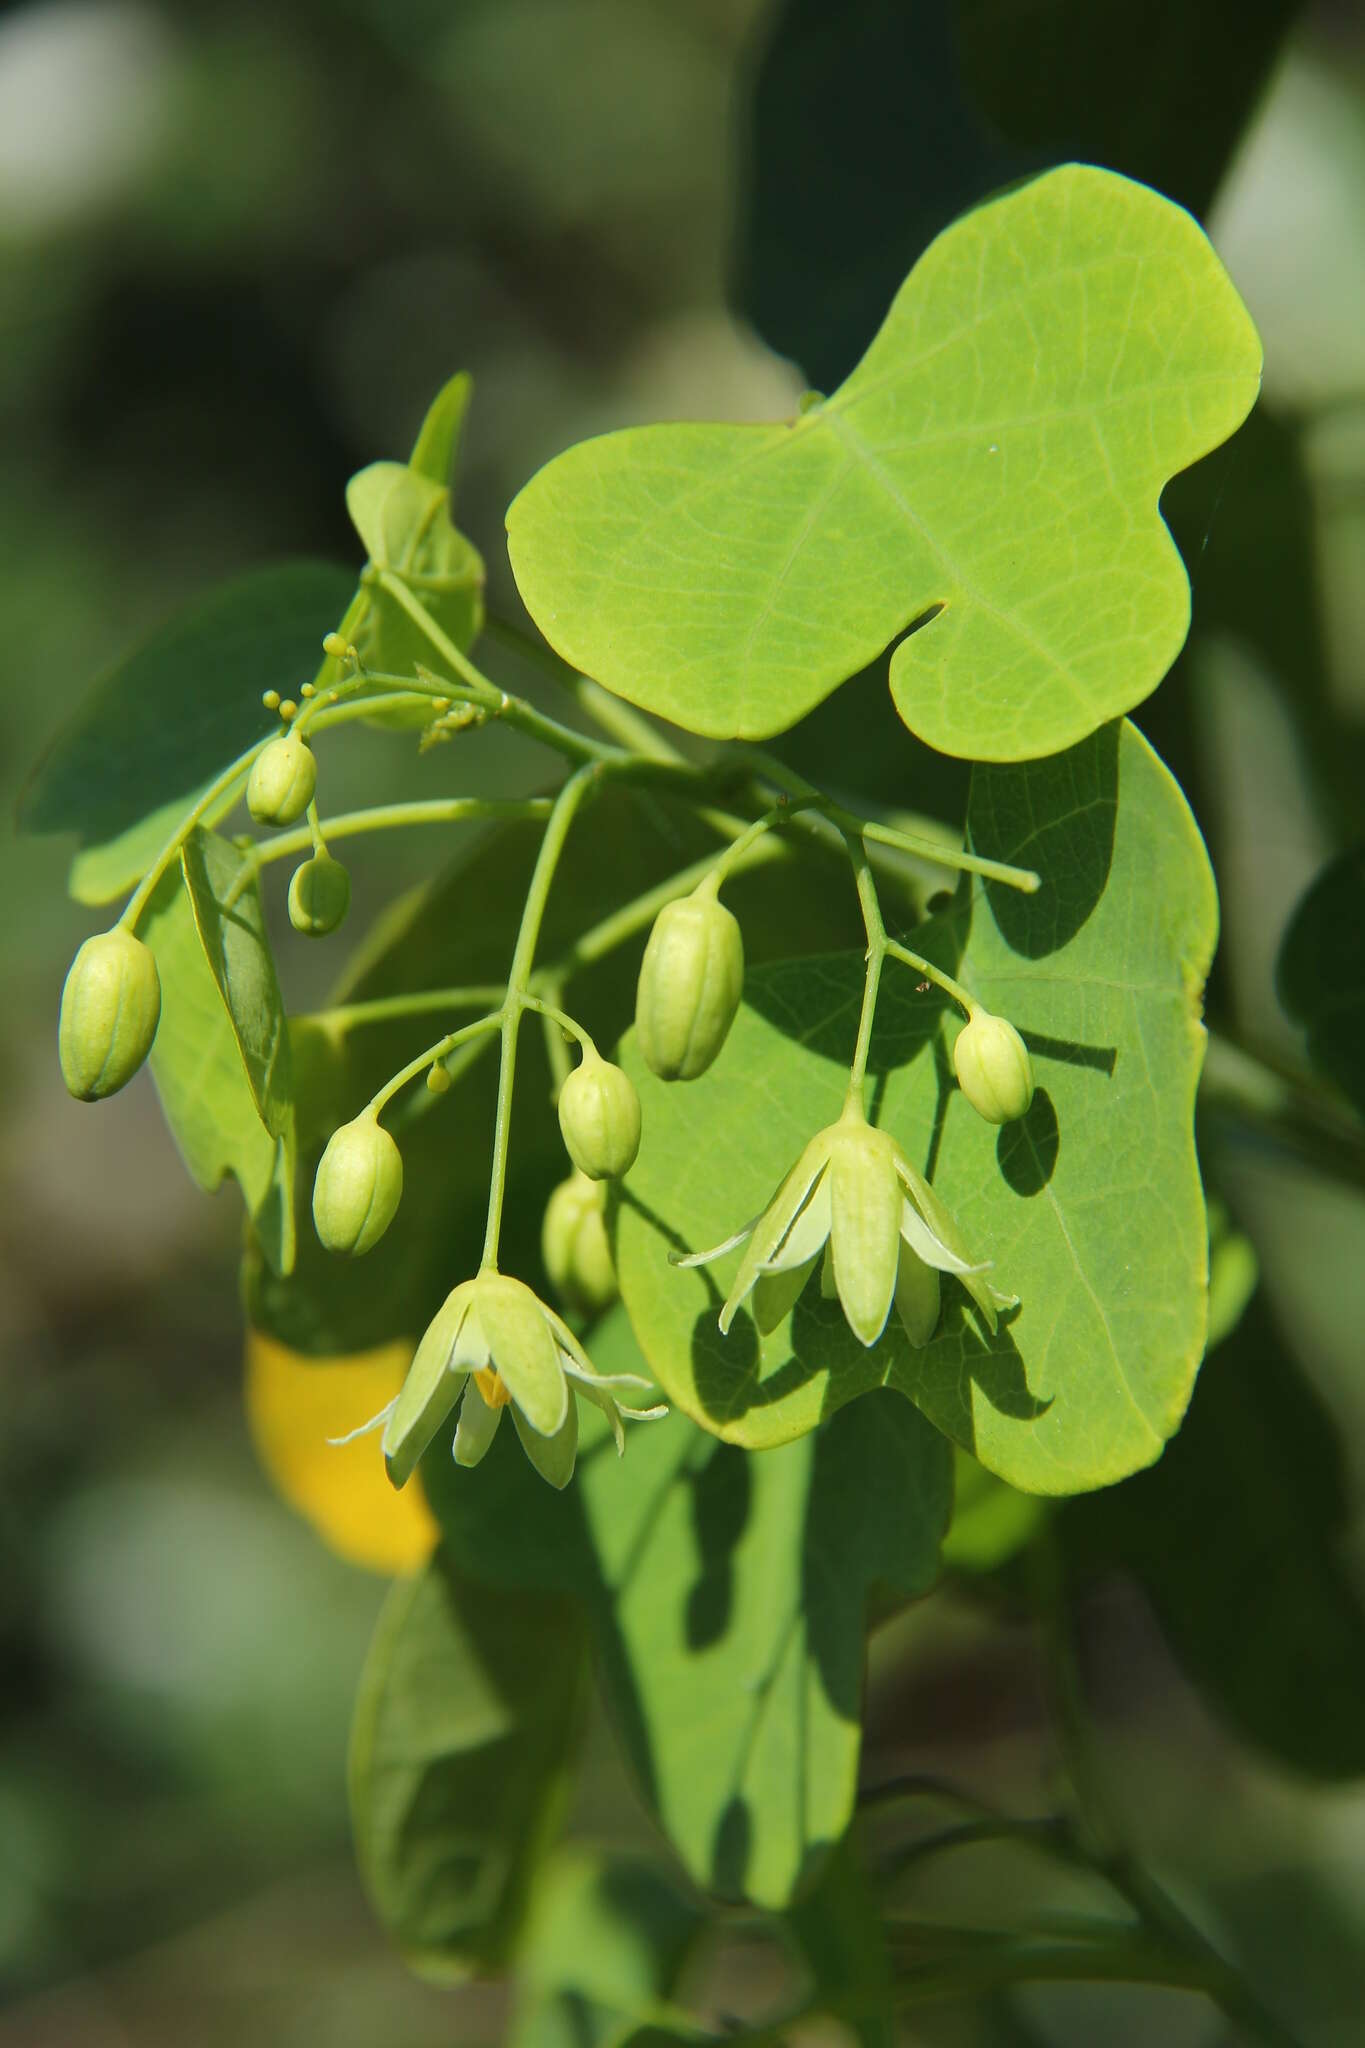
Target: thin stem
<point x="217" y="789"/>
<point x="623" y="724"/>
<point x="428" y="1058"/>
<point x="908" y="958"/>
<point x="561" y="817"/>
<point x="378" y="1010"/>
<point x="390" y="817"/>
<point x="575" y="746"/>
<point x="875" y="928"/>
<point x="315" y="839"/>
<point x="560" y="1019"/>
<point x="924" y="848"/>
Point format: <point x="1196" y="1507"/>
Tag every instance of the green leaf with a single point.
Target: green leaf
<point x="605" y="1939"/>
<point x="171" y="716"/>
<point x="231" y="927"/>
<point x="1091" y="1207"/>
<point x="458" y="1753"/>
<point x="1241" y="1538"/>
<point x="403" y="517"/>
<point x="200" y="1076"/>
<point x="1320" y="974"/>
<point x="996" y="460"/>
<point x="726" y="1597"/>
<point x="438" y="440"/>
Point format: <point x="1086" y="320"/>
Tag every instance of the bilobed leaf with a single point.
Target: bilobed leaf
<point x="200" y="1077"/>
<point x="458" y="1750"/>
<point x="1091" y="1207"/>
<point x="996" y="459"/>
<point x="231" y="928"/>
<point x="605" y="1939"/>
<point x="726" y="1597"/>
<point x="171" y="716"/>
<point x="1320" y="974"/>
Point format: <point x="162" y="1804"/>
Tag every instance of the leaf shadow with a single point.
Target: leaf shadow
<point x="1058" y="816"/>
<point x="1026" y="1150"/>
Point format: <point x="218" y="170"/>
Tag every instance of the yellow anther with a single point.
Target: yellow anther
<point x="289" y="709"/>
<point x="271" y="700"/>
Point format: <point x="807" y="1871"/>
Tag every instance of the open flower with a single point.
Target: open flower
<point x="854" y="1200"/>
<point x="497" y="1343"/>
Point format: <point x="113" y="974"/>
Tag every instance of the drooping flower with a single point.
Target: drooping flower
<point x="854" y="1201"/>
<point x="497" y="1344"/>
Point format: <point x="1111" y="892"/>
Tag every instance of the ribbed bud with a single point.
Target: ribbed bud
<point x="691" y="980"/>
<point x="599" y="1115"/>
<point x="993" y="1068"/>
<point x="282" y="781"/>
<point x="575" y="1246"/>
<point x="111" y="1004"/>
<point x="319" y="895"/>
<point x="357" y="1188"/>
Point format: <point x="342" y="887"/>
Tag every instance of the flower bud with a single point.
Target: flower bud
<point x="691" y="979"/>
<point x="282" y="781"/>
<point x="599" y="1115"/>
<point x="993" y="1068"/>
<point x="319" y="895"/>
<point x="111" y="1003"/>
<point x="575" y="1246"/>
<point x="358" y="1185"/>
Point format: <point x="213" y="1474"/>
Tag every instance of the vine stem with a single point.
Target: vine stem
<point x="875" y="927"/>
<point x="574" y="745"/>
<point x="566" y="805"/>
<point x="389" y="817"/>
<point x="428" y="1059"/>
<point x="630" y="728"/>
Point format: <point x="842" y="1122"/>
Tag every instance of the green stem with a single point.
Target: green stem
<point x="389" y="817"/>
<point x="923" y="847"/>
<point x="875" y="927"/>
<point x="908" y="958"/>
<point x="517" y="712"/>
<point x="561" y="817"/>
<point x="629" y="728"/>
<point x="351" y="1016"/>
<point x="428" y="1058"/>
<point x="559" y="1018"/>
<point x="219" y="788"/>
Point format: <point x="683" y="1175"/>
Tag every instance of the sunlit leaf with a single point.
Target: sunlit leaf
<point x="1091" y="1208"/>
<point x="726" y="1597"/>
<point x="995" y="460"/>
<point x="604" y="1941"/>
<point x="231" y="927"/>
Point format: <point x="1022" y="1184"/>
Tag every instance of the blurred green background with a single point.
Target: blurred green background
<point x="241" y="247"/>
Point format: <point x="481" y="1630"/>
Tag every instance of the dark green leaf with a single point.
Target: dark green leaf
<point x="200" y="1076"/>
<point x="231" y="929"/>
<point x="458" y="1752"/>
<point x="174" y="714"/>
<point x="1320" y="974"/>
<point x="1239" y="1538"/>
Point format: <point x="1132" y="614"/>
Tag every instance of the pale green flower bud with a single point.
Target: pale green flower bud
<point x="357" y="1188"/>
<point x="575" y="1246"/>
<point x="993" y="1068"/>
<point x="599" y="1115"/>
<point x="282" y="781"/>
<point x="111" y="1004"/>
<point x="319" y="895"/>
<point x="691" y="980"/>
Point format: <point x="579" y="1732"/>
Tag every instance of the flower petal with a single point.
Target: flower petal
<point x="553" y="1456"/>
<point x="521" y="1343"/>
<point x="775" y="1293"/>
<point x="917" y="1297"/>
<point x="476" y="1429"/>
<point x="429" y="1392"/>
<point x="775" y="1223"/>
<point x="926" y="1246"/>
<point x="941" y="1221"/>
<point x="809" y="1230"/>
<point x="717" y="1251"/>
<point x="364" y="1428"/>
<point x="865" y="1216"/>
